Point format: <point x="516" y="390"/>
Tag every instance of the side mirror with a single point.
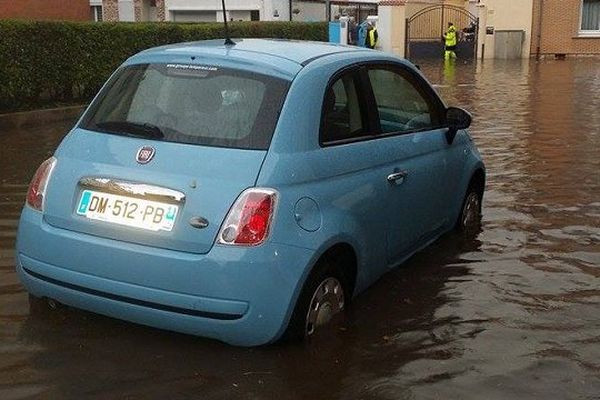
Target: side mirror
<point x="456" y="119"/>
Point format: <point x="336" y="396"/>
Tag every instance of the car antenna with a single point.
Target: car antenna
<point x="228" y="41"/>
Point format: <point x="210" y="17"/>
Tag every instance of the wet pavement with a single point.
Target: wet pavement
<point x="512" y="313"/>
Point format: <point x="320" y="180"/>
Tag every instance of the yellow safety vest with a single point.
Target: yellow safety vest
<point x="450" y="37"/>
<point x="373" y="37"/>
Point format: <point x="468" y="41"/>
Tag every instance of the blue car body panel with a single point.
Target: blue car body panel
<point x="251" y="290"/>
<point x="182" y="280"/>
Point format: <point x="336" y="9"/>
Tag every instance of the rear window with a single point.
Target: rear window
<point x="194" y="104"/>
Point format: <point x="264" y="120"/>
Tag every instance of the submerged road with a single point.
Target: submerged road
<point x="512" y="313"/>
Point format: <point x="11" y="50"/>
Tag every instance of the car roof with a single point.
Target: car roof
<point x="294" y="50"/>
<point x="285" y="56"/>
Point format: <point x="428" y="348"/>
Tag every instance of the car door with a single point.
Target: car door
<point x="352" y="172"/>
<point x="422" y="178"/>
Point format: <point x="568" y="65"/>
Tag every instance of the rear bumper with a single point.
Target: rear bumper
<point x="243" y="296"/>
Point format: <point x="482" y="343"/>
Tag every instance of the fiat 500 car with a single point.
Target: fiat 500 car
<point x="246" y="192"/>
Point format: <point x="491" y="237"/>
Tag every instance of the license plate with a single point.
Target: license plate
<point x="122" y="210"/>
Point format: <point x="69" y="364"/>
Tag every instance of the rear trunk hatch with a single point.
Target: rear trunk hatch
<point x="209" y="178"/>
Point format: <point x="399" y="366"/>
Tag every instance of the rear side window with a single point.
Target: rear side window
<point x="401" y="106"/>
<point x="343" y="116"/>
<point x="195" y="104"/>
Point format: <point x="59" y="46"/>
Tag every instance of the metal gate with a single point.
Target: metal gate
<point x="425" y="30"/>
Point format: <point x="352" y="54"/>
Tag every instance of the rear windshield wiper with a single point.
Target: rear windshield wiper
<point x="131" y="128"/>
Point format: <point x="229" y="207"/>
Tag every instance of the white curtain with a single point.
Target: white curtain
<point x="590" y="19"/>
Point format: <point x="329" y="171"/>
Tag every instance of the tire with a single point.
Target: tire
<point x="470" y="212"/>
<point x="324" y="294"/>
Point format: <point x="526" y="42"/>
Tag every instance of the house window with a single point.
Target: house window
<point x="254" y="15"/>
<point x="590" y="16"/>
<point x="96" y="13"/>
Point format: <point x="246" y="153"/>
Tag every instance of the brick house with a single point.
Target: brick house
<point x="133" y="10"/>
<point x="566" y="27"/>
<point x="210" y="10"/>
<point x="66" y="10"/>
<point x="194" y="10"/>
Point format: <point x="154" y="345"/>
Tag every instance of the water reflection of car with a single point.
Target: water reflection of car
<point x="246" y="193"/>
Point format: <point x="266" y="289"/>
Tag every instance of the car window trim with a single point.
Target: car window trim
<point x="362" y="103"/>
<point x="420" y="84"/>
<point x="372" y="114"/>
<point x="366" y="138"/>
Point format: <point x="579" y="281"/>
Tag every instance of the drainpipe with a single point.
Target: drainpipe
<point x="290" y="9"/>
<point x="539" y="35"/>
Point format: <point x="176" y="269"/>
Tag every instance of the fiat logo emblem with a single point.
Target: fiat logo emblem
<point x="145" y="154"/>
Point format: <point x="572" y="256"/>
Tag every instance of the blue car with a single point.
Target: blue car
<point x="246" y="192"/>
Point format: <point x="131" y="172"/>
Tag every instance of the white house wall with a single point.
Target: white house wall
<point x="509" y="15"/>
<point x="126" y="12"/>
<point x="308" y="11"/>
<point x="238" y="9"/>
<point x="275" y="10"/>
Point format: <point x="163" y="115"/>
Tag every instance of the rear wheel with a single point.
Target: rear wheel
<point x="470" y="215"/>
<point x="327" y="300"/>
<point x="323" y="296"/>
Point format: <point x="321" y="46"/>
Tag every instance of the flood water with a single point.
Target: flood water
<point x="512" y="313"/>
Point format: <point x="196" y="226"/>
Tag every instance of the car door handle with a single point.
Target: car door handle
<point x="397" y="177"/>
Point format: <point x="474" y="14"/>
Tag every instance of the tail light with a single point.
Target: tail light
<point x="39" y="182"/>
<point x="249" y="220"/>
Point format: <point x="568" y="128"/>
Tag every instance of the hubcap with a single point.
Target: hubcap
<point x="327" y="300"/>
<point x="471" y="211"/>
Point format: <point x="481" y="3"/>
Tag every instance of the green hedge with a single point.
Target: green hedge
<point x="48" y="63"/>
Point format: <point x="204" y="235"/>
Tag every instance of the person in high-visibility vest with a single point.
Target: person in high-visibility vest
<point x="450" y="41"/>
<point x="372" y="36"/>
